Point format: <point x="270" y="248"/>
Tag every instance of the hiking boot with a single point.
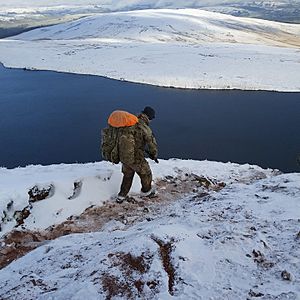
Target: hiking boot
<point x="151" y="194"/>
<point x="120" y="199"/>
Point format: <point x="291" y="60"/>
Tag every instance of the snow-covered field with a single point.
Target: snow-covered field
<point x="185" y="48"/>
<point x="230" y="232"/>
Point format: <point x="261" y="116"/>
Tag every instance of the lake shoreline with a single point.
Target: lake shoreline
<point x="141" y="83"/>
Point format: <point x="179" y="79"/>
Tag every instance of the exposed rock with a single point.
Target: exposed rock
<point x="285" y="275"/>
<point x="261" y="260"/>
<point x="10" y="205"/>
<point x="255" y="294"/>
<point x="20" y="216"/>
<point x="7" y="214"/>
<point x="76" y="190"/>
<point x="37" y="193"/>
<point x="208" y="183"/>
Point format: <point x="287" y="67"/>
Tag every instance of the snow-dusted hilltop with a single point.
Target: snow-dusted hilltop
<point x="186" y="48"/>
<point x="167" y="26"/>
<point x="284" y="10"/>
<point x="216" y="231"/>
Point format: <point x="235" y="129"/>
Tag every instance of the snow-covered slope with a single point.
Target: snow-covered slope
<point x="182" y="48"/>
<point x="239" y="241"/>
<point x="96" y="183"/>
<point x="284" y="10"/>
<point x="186" y="26"/>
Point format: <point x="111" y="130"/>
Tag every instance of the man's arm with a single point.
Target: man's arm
<point x="151" y="143"/>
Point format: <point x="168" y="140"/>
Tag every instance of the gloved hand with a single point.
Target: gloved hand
<point x="153" y="158"/>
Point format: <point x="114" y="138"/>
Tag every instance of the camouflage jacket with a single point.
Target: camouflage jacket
<point x="135" y="140"/>
<point x="144" y="138"/>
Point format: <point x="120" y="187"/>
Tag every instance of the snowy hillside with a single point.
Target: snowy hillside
<point x="165" y="26"/>
<point x="94" y="184"/>
<point x="216" y="231"/>
<point x="26" y="10"/>
<point x="185" y="48"/>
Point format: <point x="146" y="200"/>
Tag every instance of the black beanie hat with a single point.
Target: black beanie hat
<point x="150" y="112"/>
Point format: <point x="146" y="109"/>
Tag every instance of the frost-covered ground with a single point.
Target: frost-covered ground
<point x="185" y="48"/>
<point x="230" y="232"/>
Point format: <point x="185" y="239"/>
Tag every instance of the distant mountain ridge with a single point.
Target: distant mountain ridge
<point x="30" y="13"/>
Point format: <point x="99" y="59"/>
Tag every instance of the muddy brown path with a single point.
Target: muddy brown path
<point x="19" y="242"/>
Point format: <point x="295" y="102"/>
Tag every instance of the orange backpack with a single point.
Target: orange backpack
<point x="120" y="118"/>
<point x="121" y="128"/>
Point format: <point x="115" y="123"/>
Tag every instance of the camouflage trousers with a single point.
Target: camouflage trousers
<point x="144" y="172"/>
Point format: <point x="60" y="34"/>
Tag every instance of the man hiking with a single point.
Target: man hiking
<point x="144" y="141"/>
<point x="133" y="138"/>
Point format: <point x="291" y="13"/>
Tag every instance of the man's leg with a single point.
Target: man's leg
<point x="128" y="174"/>
<point x="145" y="175"/>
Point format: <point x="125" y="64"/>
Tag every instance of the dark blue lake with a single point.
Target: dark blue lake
<point x="49" y="117"/>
